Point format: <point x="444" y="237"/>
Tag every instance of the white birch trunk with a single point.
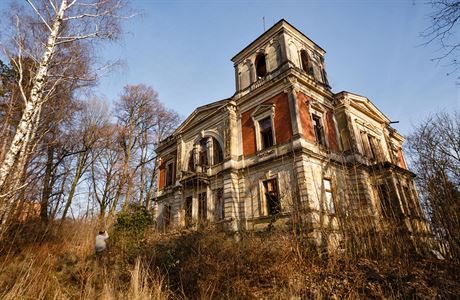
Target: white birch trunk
<point x="25" y="131"/>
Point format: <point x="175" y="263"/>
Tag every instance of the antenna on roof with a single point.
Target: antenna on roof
<point x="263" y="20"/>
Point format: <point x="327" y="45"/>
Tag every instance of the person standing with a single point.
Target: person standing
<point x="101" y="244"/>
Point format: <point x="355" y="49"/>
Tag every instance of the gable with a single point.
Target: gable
<point x="365" y="106"/>
<point x="200" y="114"/>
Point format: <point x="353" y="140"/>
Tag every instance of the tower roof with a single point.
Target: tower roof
<point x="280" y="25"/>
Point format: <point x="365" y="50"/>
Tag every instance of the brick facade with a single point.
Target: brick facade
<point x="283" y="142"/>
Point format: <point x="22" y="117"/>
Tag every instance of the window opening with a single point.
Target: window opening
<point x="389" y="209"/>
<point x="329" y="196"/>
<point x="202" y="207"/>
<point x="218" y="153"/>
<point x="410" y="202"/>
<point x="266" y="132"/>
<point x="169" y="173"/>
<point x="220" y="206"/>
<point x="373" y="147"/>
<point x="191" y="161"/>
<point x="384" y="200"/>
<point x="306" y="66"/>
<point x="188" y="211"/>
<point x="319" y="130"/>
<point x="272" y="197"/>
<point x="203" y="157"/>
<point x="261" y="66"/>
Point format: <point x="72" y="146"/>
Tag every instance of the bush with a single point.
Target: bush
<point x="128" y="234"/>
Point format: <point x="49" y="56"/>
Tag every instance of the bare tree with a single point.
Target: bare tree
<point x="444" y="30"/>
<point x="142" y="121"/>
<point x="106" y="165"/>
<point x="54" y="36"/>
<point x="435" y="151"/>
<point x="87" y="134"/>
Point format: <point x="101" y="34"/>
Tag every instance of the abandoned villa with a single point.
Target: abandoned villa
<point x="284" y="143"/>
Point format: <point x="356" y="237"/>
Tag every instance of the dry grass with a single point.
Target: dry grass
<point x="211" y="264"/>
<point x="61" y="265"/>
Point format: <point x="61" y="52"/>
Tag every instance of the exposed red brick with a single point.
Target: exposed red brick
<point x="282" y="126"/>
<point x="162" y="179"/>
<point x="305" y="120"/>
<point x="330" y="131"/>
<point x="401" y="161"/>
<point x="249" y="133"/>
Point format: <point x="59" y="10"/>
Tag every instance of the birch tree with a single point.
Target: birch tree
<point x="45" y="32"/>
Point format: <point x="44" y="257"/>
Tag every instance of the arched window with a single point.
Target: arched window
<point x="191" y="161"/>
<point x="203" y="157"/>
<point x="261" y="66"/>
<point x="306" y="66"/>
<point x="209" y="153"/>
<point x="218" y="155"/>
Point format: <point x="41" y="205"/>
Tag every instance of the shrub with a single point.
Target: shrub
<point x="129" y="230"/>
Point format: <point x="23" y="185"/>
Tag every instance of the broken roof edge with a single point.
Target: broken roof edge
<point x="272" y="30"/>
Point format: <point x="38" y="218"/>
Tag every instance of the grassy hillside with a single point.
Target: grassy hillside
<point x="39" y="262"/>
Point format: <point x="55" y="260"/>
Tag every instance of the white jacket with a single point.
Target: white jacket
<point x="100" y="241"/>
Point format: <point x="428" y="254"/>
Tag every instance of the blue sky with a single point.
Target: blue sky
<point x="183" y="50"/>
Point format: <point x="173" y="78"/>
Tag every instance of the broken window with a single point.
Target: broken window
<point x="374" y="146"/>
<point x="261" y="66"/>
<point x="271" y="197"/>
<point x="266" y="133"/>
<point x="389" y="203"/>
<point x="329" y="196"/>
<point x="169" y="173"/>
<point x="202" y="207"/>
<point x="319" y="130"/>
<point x="306" y="65"/>
<point x="203" y="155"/>
<point x="371" y="146"/>
<point x="188" y="211"/>
<point x="191" y="161"/>
<point x="412" y="207"/>
<point x="218" y="155"/>
<point x="219" y="204"/>
<point x="385" y="203"/>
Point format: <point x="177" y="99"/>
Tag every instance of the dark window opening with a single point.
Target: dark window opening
<point x="203" y="157"/>
<point x="220" y="205"/>
<point x="167" y="216"/>
<point x="188" y="211"/>
<point x="306" y="66"/>
<point x="169" y="173"/>
<point x="218" y="154"/>
<point x="319" y="130"/>
<point x="261" y="66"/>
<point x="388" y="202"/>
<point x="271" y="197"/>
<point x="266" y="133"/>
<point x="385" y="202"/>
<point x="373" y="146"/>
<point x="202" y="207"/>
<point x="191" y="161"/>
